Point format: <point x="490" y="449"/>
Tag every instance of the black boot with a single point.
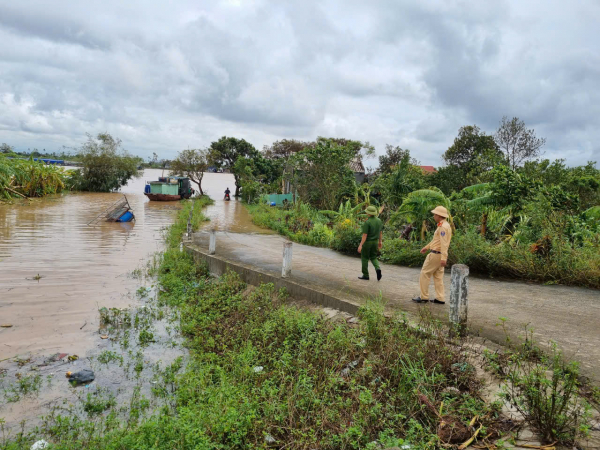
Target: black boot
<point x="363" y="278"/>
<point x="378" y="274"/>
<point x="438" y="302"/>
<point x="419" y="300"/>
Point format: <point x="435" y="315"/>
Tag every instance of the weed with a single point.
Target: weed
<point x="145" y="337"/>
<point x="107" y="356"/>
<point x="547" y="396"/>
<point x="97" y="402"/>
<point x="25" y="385"/>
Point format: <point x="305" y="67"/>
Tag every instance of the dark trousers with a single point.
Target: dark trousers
<point x="369" y="253"/>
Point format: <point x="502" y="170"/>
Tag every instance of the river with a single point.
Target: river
<point x="56" y="270"/>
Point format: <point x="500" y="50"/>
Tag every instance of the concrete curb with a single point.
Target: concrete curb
<point x="217" y="265"/>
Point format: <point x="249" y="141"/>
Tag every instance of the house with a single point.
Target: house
<point x="358" y="168"/>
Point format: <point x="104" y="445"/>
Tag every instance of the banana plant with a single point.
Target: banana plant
<point x="346" y="211"/>
<point x="417" y="206"/>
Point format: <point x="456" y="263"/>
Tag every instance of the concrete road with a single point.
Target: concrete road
<point x="568" y="315"/>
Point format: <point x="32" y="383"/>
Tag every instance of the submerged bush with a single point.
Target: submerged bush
<point x="106" y="166"/>
<point x="29" y="178"/>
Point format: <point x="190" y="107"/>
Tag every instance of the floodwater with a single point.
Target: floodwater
<point x="56" y="270"/>
<point x="227" y="215"/>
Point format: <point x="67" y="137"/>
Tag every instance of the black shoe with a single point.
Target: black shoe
<point x="378" y="274"/>
<point x="363" y="278"/>
<point x="438" y="302"/>
<point x="419" y="300"/>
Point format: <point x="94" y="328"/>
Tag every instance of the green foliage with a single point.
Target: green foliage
<point x="400" y="176"/>
<point x="106" y="166"/>
<point x="225" y="152"/>
<point x="473" y="153"/>
<point x="258" y="176"/>
<point x="29" y="178"/>
<point x="322" y="173"/>
<point x="547" y="395"/>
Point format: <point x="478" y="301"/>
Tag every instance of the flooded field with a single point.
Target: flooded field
<point x="57" y="271"/>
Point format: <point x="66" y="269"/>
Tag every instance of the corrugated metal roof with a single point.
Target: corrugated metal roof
<point x="356" y="165"/>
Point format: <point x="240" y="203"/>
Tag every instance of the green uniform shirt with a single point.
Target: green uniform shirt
<point x="372" y="227"/>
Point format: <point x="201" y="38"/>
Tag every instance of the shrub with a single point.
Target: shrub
<point x="547" y="396"/>
<point x="347" y="237"/>
<point x="106" y="166"/>
<point x="402" y="252"/>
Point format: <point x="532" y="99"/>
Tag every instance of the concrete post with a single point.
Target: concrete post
<point x="212" y="243"/>
<point x="458" y="298"/>
<point x="286" y="270"/>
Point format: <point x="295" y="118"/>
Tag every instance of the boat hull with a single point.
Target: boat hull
<point x="162" y="197"/>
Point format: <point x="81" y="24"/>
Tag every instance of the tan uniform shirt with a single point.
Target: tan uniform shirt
<point x="441" y="239"/>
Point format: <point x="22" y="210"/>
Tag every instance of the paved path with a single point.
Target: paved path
<point x="568" y="315"/>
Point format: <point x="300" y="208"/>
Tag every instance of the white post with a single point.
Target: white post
<point x="286" y="270"/>
<point x="459" y="299"/>
<point x="212" y="243"/>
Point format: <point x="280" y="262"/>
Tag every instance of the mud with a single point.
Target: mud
<point x="126" y="370"/>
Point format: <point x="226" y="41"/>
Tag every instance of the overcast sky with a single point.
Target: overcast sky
<point x="166" y="75"/>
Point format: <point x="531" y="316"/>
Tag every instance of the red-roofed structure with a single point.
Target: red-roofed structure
<point x="428" y="169"/>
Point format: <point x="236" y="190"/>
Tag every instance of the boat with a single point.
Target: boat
<point x="168" y="189"/>
<point x="120" y="211"/>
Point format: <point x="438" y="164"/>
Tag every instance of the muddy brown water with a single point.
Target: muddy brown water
<point x="57" y="270"/>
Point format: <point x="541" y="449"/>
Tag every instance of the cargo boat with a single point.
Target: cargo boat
<point x="168" y="189"/>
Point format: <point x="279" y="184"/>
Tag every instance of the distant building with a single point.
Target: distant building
<point x="359" y="169"/>
<point x="428" y="170"/>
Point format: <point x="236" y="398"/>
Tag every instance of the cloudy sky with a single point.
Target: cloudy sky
<point x="166" y="75"/>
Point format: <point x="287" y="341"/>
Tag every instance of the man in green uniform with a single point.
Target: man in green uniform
<point x="370" y="243"/>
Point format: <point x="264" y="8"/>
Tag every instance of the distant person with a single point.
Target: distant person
<point x="436" y="260"/>
<point x="371" y="242"/>
<point x="227" y="192"/>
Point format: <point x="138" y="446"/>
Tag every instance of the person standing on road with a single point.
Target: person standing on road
<point x="436" y="260"/>
<point x="370" y="243"/>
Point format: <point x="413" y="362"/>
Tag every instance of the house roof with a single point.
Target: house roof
<point x="356" y="165"/>
<point x="428" y="169"/>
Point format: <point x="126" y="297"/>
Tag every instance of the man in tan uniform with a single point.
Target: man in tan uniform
<point x="436" y="260"/>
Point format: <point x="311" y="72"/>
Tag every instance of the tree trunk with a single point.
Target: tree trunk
<point x="423" y="230"/>
<point x="484" y="224"/>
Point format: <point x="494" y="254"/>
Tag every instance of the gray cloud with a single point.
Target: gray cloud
<point x="167" y="75"/>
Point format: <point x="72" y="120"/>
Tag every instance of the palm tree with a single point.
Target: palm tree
<point x="416" y="207"/>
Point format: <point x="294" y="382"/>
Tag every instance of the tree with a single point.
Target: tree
<point x="5" y="148"/>
<point x="106" y="166"/>
<point x="191" y="163"/>
<point x="322" y="173"/>
<point x="517" y="142"/>
<point x="417" y="206"/>
<point x="399" y="176"/>
<point x="226" y="151"/>
<point x="474" y="153"/>
<point x="393" y="157"/>
<point x="284" y="149"/>
<point x="258" y="176"/>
